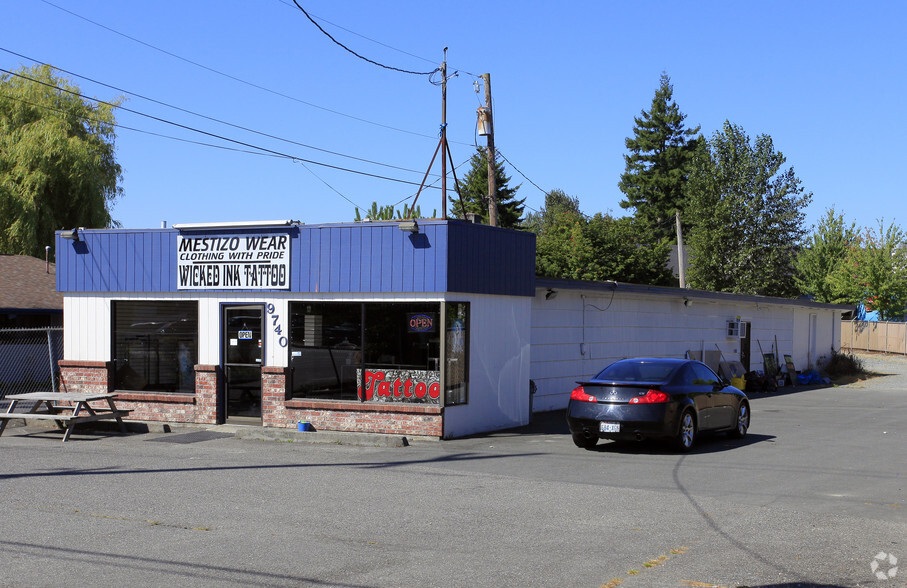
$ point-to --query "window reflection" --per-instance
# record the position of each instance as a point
(155, 345)
(377, 352)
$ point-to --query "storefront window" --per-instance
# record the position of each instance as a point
(456, 356)
(374, 352)
(325, 349)
(155, 345)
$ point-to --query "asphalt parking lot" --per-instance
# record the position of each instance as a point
(812, 497)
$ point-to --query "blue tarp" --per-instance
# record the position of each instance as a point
(810, 377)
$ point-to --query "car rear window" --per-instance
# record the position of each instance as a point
(636, 372)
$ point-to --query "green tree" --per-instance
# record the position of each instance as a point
(818, 261)
(474, 192)
(557, 203)
(559, 228)
(875, 273)
(658, 163)
(57, 165)
(747, 216)
(571, 246)
(625, 253)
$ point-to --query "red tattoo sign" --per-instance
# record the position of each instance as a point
(399, 386)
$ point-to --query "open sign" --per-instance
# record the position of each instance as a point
(421, 322)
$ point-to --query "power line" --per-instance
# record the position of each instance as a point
(504, 157)
(264, 150)
(361, 36)
(234, 78)
(432, 184)
(209, 117)
(322, 180)
(328, 35)
(152, 133)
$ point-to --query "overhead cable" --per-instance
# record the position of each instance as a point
(391, 47)
(214, 135)
(235, 126)
(328, 35)
(236, 79)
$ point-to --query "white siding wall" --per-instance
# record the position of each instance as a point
(577, 333)
(498, 366)
(87, 328)
(499, 345)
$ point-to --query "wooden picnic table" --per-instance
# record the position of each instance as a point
(77, 409)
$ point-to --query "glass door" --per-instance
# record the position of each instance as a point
(242, 331)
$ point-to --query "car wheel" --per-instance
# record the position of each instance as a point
(686, 434)
(743, 421)
(585, 442)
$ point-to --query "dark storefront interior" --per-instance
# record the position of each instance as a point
(333, 344)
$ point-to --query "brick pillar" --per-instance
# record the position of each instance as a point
(86, 377)
(274, 382)
(207, 378)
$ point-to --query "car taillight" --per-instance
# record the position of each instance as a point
(580, 394)
(651, 397)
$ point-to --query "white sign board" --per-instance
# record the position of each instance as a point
(233, 262)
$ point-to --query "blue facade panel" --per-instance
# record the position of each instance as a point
(117, 260)
(489, 260)
(344, 258)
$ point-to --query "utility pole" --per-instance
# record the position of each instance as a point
(680, 269)
(443, 137)
(445, 152)
(492, 187)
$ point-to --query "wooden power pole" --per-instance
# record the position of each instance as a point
(492, 187)
(443, 136)
(680, 269)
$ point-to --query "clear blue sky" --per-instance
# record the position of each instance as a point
(826, 80)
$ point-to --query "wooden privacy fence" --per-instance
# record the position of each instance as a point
(885, 337)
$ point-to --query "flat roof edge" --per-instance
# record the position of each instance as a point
(610, 286)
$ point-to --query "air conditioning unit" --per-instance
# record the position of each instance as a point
(733, 329)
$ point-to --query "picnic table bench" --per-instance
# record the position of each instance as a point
(77, 410)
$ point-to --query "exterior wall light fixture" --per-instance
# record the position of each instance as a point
(72, 235)
(409, 226)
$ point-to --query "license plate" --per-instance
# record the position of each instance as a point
(609, 427)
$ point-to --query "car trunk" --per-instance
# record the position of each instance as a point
(615, 393)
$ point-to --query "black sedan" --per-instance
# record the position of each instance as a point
(672, 399)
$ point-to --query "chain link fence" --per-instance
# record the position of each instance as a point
(28, 360)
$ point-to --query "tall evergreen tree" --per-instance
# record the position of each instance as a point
(658, 162)
(747, 216)
(474, 192)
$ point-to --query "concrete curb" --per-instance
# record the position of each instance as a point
(320, 437)
(246, 432)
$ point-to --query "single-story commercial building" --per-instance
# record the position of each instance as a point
(381, 327)
(437, 329)
(578, 328)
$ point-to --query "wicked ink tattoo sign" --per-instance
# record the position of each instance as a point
(233, 262)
